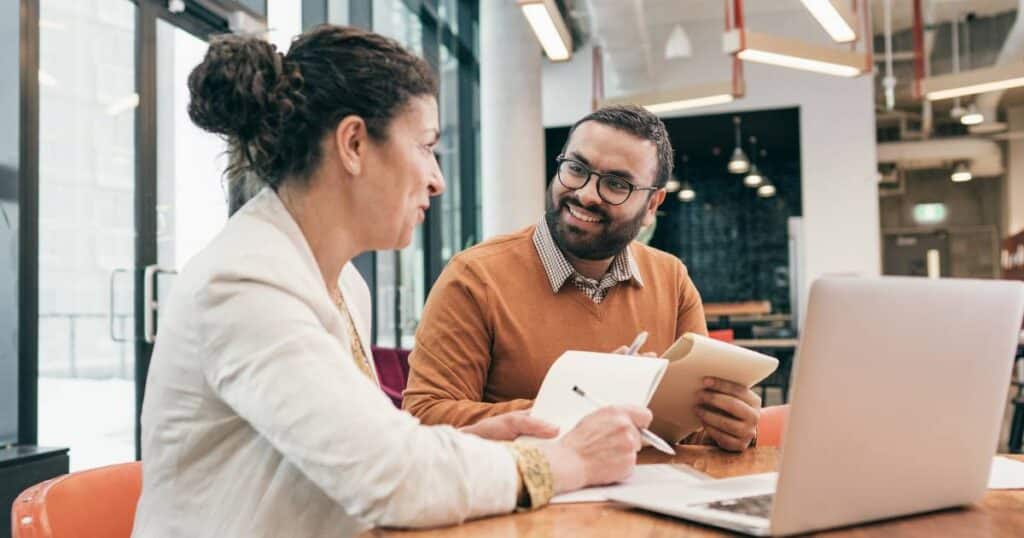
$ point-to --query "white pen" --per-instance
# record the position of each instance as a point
(656, 442)
(637, 342)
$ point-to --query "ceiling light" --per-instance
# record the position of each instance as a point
(687, 194)
(973, 82)
(679, 99)
(766, 190)
(678, 44)
(673, 185)
(769, 49)
(549, 27)
(738, 163)
(835, 17)
(754, 177)
(961, 173)
(972, 116)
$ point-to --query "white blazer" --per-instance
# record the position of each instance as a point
(258, 422)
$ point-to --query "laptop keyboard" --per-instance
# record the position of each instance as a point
(756, 506)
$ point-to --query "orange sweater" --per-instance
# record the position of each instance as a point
(491, 327)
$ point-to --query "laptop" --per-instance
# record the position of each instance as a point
(897, 405)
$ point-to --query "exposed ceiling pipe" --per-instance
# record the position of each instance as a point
(1013, 49)
(889, 82)
(927, 120)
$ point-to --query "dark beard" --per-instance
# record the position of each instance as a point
(610, 242)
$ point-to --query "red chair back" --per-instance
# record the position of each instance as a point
(725, 335)
(392, 371)
(96, 503)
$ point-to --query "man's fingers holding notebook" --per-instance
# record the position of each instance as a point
(734, 389)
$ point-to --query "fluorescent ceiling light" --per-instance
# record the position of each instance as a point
(973, 82)
(835, 17)
(549, 27)
(668, 101)
(769, 49)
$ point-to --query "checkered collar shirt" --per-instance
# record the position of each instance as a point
(559, 270)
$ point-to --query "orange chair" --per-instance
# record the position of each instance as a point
(96, 503)
(772, 425)
(725, 335)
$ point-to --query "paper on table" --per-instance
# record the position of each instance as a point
(659, 473)
(615, 379)
(1006, 474)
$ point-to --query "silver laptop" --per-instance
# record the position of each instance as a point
(898, 400)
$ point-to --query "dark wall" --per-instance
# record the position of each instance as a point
(734, 243)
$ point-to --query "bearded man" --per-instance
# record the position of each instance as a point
(502, 311)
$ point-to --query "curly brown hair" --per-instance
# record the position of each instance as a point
(274, 109)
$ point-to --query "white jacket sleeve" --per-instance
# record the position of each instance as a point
(270, 358)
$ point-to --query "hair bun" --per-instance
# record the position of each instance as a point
(235, 89)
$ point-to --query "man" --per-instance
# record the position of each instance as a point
(503, 311)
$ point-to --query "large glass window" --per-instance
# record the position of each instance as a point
(9, 255)
(86, 228)
(403, 277)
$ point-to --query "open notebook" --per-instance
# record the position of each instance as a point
(668, 386)
(614, 379)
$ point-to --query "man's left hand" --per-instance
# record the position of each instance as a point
(729, 413)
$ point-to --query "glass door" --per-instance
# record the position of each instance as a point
(87, 183)
(129, 192)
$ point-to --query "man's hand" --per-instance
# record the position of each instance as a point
(621, 350)
(729, 413)
(511, 425)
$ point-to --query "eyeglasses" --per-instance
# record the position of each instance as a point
(613, 189)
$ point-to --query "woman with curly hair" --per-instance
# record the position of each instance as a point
(262, 415)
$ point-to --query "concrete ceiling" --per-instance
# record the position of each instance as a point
(633, 33)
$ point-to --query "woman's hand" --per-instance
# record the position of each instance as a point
(511, 425)
(601, 449)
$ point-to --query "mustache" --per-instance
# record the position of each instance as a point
(570, 200)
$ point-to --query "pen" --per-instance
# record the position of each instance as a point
(637, 342)
(656, 442)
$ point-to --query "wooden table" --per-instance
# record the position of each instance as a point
(1000, 513)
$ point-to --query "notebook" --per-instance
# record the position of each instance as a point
(692, 358)
(611, 378)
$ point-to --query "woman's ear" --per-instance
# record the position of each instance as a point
(350, 141)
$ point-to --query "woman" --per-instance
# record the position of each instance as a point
(263, 416)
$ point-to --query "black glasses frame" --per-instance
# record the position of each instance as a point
(600, 180)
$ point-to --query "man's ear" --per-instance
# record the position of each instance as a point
(657, 198)
(350, 141)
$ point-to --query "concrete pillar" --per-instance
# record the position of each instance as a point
(1014, 194)
(511, 123)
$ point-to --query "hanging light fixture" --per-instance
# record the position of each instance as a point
(972, 116)
(753, 177)
(686, 193)
(738, 163)
(767, 189)
(673, 185)
(961, 172)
